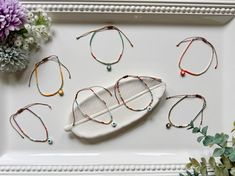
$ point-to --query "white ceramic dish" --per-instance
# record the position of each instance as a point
(122, 116)
(147, 148)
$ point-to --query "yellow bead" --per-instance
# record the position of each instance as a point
(61, 92)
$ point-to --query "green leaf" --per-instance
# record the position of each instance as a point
(208, 141)
(188, 165)
(199, 139)
(181, 174)
(203, 170)
(232, 156)
(195, 173)
(191, 124)
(218, 138)
(204, 130)
(218, 152)
(221, 139)
(226, 137)
(196, 130)
(194, 162)
(226, 162)
(188, 173)
(212, 162)
(225, 172)
(228, 151)
(203, 161)
(218, 171)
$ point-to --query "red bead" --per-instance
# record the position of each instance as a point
(182, 73)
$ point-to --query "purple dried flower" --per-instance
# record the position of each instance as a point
(12, 17)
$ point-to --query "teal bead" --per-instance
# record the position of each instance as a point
(50, 141)
(109, 68)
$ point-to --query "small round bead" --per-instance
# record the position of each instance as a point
(50, 141)
(182, 73)
(114, 124)
(168, 125)
(109, 68)
(61, 92)
(149, 108)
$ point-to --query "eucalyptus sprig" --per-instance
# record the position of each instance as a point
(224, 152)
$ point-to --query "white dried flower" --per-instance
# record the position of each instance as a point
(31, 40)
(44, 15)
(18, 43)
(36, 17)
(26, 46)
(30, 15)
(20, 38)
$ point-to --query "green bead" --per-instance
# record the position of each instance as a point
(109, 68)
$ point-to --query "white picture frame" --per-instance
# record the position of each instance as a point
(195, 11)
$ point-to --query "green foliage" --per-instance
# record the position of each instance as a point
(222, 163)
